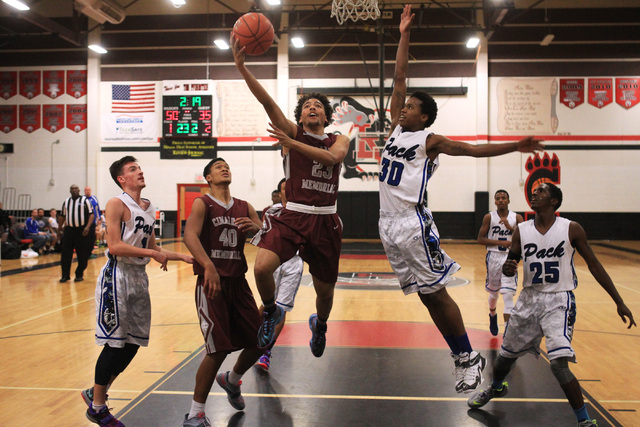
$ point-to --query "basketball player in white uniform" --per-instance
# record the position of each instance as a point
(495, 233)
(546, 306)
(287, 277)
(407, 230)
(123, 306)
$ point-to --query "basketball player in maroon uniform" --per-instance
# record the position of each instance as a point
(309, 223)
(215, 234)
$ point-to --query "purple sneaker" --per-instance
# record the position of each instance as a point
(318, 336)
(103, 417)
(264, 361)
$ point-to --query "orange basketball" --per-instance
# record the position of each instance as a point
(254, 32)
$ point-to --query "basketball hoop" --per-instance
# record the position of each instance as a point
(354, 10)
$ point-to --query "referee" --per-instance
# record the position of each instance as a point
(77, 217)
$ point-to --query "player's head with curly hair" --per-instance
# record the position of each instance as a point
(328, 109)
(428, 106)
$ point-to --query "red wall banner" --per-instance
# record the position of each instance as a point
(30, 83)
(77, 117)
(77, 83)
(8, 118)
(29, 118)
(8, 84)
(600, 92)
(572, 92)
(53, 117)
(53, 82)
(627, 91)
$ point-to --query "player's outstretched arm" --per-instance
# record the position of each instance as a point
(437, 144)
(335, 154)
(273, 110)
(402, 66)
(192, 231)
(578, 239)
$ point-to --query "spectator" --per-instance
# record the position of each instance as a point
(5, 221)
(32, 231)
(45, 227)
(53, 223)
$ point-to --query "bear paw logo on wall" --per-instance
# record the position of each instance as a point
(541, 169)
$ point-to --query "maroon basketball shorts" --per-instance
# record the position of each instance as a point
(231, 320)
(317, 237)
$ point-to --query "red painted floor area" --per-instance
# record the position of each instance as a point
(383, 334)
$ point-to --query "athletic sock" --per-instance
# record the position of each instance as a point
(463, 343)
(234, 378)
(97, 408)
(581, 414)
(196, 408)
(269, 306)
(451, 342)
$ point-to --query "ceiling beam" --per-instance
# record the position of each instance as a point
(61, 31)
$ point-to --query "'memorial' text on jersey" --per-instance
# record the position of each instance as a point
(309, 182)
(405, 170)
(548, 258)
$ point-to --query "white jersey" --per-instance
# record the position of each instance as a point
(548, 258)
(137, 230)
(405, 170)
(498, 231)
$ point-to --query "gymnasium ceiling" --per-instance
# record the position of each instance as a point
(53, 33)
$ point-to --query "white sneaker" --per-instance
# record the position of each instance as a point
(473, 364)
(458, 372)
(28, 253)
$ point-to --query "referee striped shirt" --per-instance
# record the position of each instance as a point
(77, 211)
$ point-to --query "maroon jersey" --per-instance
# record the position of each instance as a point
(221, 238)
(309, 182)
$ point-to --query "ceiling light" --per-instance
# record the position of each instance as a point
(546, 41)
(221, 44)
(97, 48)
(273, 2)
(17, 4)
(473, 42)
(178, 3)
(297, 42)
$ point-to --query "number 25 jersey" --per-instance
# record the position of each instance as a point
(405, 170)
(548, 258)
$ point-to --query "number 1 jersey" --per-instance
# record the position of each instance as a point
(405, 170)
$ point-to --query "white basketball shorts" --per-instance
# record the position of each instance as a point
(287, 278)
(496, 281)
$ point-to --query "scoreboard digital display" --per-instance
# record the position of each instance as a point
(186, 116)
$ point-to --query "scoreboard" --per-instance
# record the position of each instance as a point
(186, 116)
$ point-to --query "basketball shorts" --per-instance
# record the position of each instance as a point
(496, 281)
(317, 237)
(412, 243)
(123, 305)
(231, 320)
(287, 278)
(551, 315)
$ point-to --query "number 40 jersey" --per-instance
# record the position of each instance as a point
(405, 170)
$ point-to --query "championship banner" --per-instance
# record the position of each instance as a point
(29, 118)
(8, 118)
(53, 117)
(77, 117)
(8, 84)
(627, 91)
(571, 92)
(600, 92)
(30, 83)
(53, 82)
(140, 127)
(77, 83)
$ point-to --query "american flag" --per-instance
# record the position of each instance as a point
(138, 98)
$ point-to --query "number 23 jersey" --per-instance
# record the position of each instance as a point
(405, 170)
(548, 258)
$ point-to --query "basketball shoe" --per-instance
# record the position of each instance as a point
(473, 363)
(264, 361)
(199, 420)
(458, 372)
(103, 417)
(483, 397)
(588, 423)
(233, 391)
(318, 336)
(266, 333)
(87, 396)
(493, 324)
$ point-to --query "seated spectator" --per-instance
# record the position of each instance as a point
(101, 232)
(45, 227)
(32, 231)
(53, 223)
(5, 221)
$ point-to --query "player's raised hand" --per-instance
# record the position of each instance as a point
(283, 139)
(406, 19)
(530, 144)
(238, 52)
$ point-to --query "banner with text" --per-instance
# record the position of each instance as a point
(30, 117)
(8, 84)
(53, 117)
(188, 148)
(600, 92)
(571, 92)
(53, 82)
(8, 118)
(125, 127)
(30, 83)
(627, 91)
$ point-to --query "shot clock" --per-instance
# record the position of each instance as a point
(186, 116)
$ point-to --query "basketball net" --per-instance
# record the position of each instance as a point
(354, 10)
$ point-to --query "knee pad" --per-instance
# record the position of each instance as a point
(508, 302)
(493, 300)
(560, 370)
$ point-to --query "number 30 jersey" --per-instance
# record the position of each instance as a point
(548, 258)
(405, 170)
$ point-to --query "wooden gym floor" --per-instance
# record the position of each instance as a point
(385, 363)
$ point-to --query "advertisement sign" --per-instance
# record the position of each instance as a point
(29, 118)
(600, 92)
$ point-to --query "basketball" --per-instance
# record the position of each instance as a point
(254, 32)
